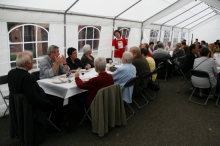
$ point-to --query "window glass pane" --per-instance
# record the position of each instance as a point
(90, 42)
(96, 34)
(42, 49)
(29, 33)
(95, 45)
(42, 35)
(35, 64)
(16, 35)
(80, 45)
(31, 47)
(16, 48)
(89, 33)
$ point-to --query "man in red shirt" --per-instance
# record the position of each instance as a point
(119, 44)
(94, 84)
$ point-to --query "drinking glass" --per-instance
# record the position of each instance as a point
(110, 62)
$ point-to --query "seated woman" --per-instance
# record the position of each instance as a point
(150, 61)
(87, 59)
(125, 73)
(146, 46)
(204, 63)
(72, 61)
(94, 84)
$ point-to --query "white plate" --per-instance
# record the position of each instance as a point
(59, 81)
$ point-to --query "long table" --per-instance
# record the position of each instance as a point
(65, 90)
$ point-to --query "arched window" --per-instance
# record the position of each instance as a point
(166, 37)
(153, 36)
(88, 35)
(124, 32)
(29, 37)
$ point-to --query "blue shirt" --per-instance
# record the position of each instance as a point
(46, 65)
(121, 76)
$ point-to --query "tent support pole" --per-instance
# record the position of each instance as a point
(65, 26)
(142, 32)
(160, 31)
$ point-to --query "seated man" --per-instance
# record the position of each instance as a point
(187, 65)
(53, 64)
(162, 55)
(141, 66)
(178, 52)
(20, 81)
(208, 65)
(72, 61)
(125, 73)
(94, 84)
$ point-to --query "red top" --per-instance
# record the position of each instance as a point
(119, 44)
(149, 54)
(94, 84)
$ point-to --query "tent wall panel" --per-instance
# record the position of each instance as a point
(4, 55)
(71, 36)
(134, 37)
(146, 36)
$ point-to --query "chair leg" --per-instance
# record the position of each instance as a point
(141, 106)
(51, 123)
(183, 85)
(5, 111)
(151, 98)
(204, 104)
(86, 114)
(133, 113)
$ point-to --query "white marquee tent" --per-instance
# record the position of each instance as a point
(33, 25)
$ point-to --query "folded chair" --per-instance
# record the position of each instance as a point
(142, 82)
(107, 110)
(128, 84)
(3, 81)
(163, 72)
(204, 75)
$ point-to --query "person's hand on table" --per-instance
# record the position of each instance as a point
(76, 74)
(72, 71)
(88, 66)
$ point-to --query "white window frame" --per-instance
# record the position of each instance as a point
(22, 42)
(85, 27)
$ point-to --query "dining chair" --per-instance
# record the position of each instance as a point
(163, 72)
(128, 84)
(3, 82)
(204, 75)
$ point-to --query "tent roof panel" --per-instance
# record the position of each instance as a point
(145, 9)
(56, 5)
(188, 14)
(108, 8)
(177, 12)
(195, 17)
(200, 20)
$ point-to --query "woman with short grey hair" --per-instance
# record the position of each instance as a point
(87, 59)
(125, 73)
(94, 84)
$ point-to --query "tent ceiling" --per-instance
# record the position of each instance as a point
(188, 16)
(134, 10)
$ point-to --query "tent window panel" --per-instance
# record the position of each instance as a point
(183, 35)
(88, 35)
(175, 38)
(42, 49)
(31, 37)
(125, 31)
(166, 37)
(153, 36)
(29, 33)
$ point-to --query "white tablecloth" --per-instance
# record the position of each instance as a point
(65, 90)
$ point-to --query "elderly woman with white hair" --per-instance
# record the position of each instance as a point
(94, 84)
(87, 59)
(125, 73)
